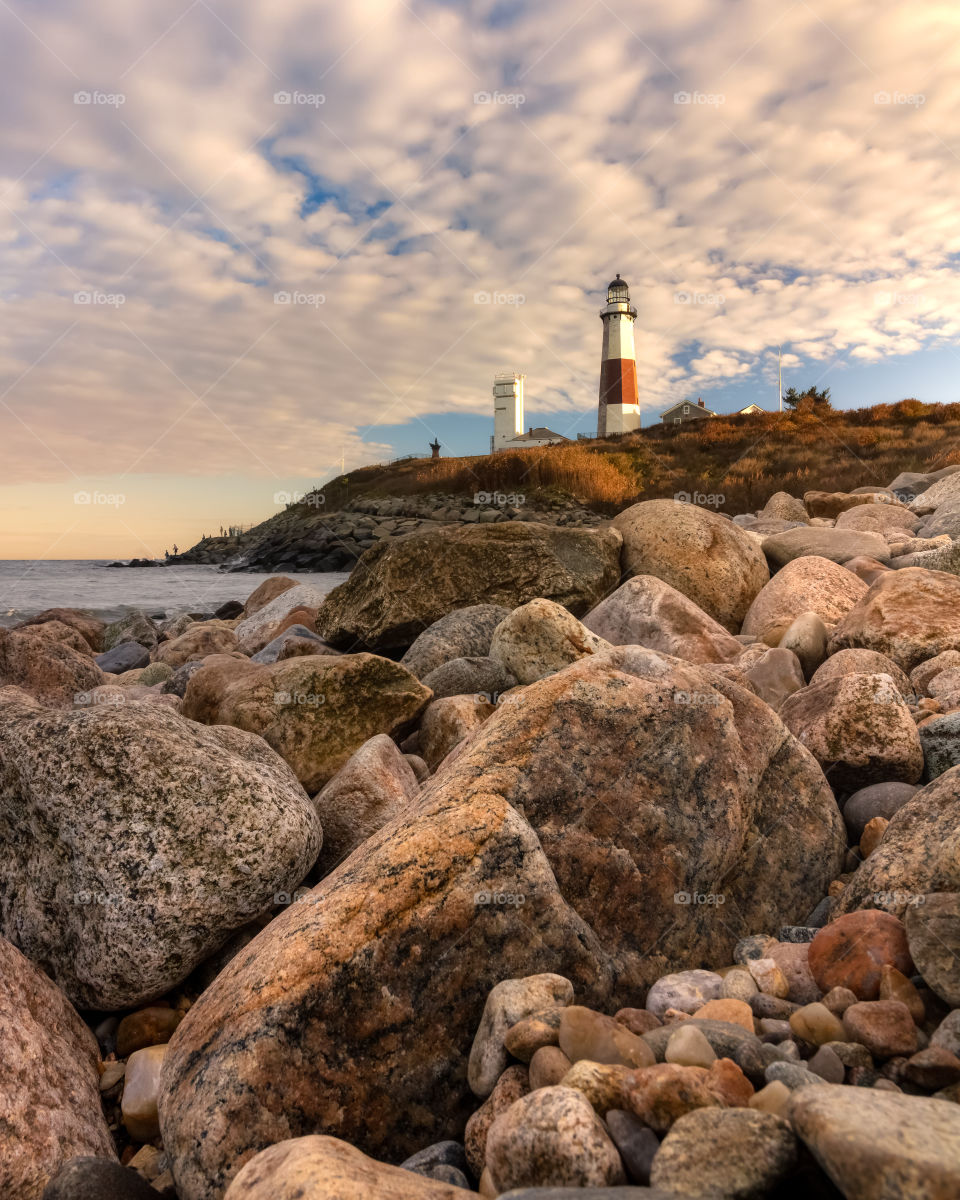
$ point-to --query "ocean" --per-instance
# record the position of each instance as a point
(28, 587)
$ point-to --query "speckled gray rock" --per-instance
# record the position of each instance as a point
(448, 1154)
(793, 1075)
(940, 739)
(541, 638)
(405, 584)
(185, 837)
(552, 1136)
(125, 656)
(837, 545)
(134, 627)
(275, 649)
(685, 991)
(508, 1003)
(375, 785)
(49, 1094)
(52, 671)
(876, 800)
(739, 1154)
(258, 630)
(933, 934)
(469, 676)
(176, 685)
(646, 611)
(725, 1037)
(918, 853)
(465, 633)
(86, 1178)
(636, 1142)
(878, 1145)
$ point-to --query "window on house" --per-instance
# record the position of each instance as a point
(686, 409)
(678, 420)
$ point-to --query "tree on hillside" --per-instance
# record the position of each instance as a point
(810, 400)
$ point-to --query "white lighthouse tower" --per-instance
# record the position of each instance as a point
(619, 408)
(507, 408)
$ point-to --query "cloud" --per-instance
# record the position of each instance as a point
(388, 163)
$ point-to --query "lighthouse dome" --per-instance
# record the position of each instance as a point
(617, 291)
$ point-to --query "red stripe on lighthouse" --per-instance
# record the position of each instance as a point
(618, 385)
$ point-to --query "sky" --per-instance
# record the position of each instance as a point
(241, 245)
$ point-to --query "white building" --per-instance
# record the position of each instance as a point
(508, 431)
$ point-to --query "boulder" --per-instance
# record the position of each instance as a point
(858, 728)
(49, 1088)
(539, 639)
(645, 611)
(832, 504)
(88, 626)
(255, 631)
(269, 590)
(57, 631)
(326, 1168)
(774, 674)
(923, 676)
(119, 879)
(876, 800)
(200, 640)
(885, 519)
(739, 1151)
(838, 545)
(876, 1144)
(85, 1178)
(810, 583)
(933, 934)
(51, 671)
(807, 638)
(909, 615)
(866, 568)
(136, 626)
(295, 641)
(912, 483)
(315, 711)
(470, 676)
(853, 950)
(710, 560)
(940, 739)
(464, 633)
(373, 786)
(705, 760)
(447, 722)
(416, 928)
(401, 586)
(919, 854)
(862, 662)
(125, 656)
(787, 508)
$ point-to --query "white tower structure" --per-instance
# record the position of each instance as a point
(619, 409)
(507, 408)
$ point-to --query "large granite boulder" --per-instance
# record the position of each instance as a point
(806, 584)
(463, 633)
(839, 545)
(648, 780)
(256, 630)
(787, 508)
(909, 615)
(832, 504)
(269, 590)
(200, 640)
(49, 1085)
(403, 585)
(52, 671)
(58, 631)
(919, 853)
(132, 843)
(885, 519)
(135, 626)
(315, 711)
(862, 662)
(353, 1012)
(707, 558)
(859, 729)
(645, 611)
(88, 626)
(539, 638)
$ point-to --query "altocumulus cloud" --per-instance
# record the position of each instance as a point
(234, 235)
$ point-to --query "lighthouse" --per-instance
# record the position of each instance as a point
(619, 409)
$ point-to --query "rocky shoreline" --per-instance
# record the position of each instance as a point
(540, 859)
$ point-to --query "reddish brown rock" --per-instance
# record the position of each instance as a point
(659, 1095)
(50, 671)
(201, 639)
(832, 504)
(638, 1020)
(511, 1085)
(152, 1026)
(446, 722)
(737, 1012)
(57, 631)
(885, 1027)
(89, 627)
(851, 952)
(269, 590)
(49, 1089)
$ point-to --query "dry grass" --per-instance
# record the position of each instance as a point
(744, 459)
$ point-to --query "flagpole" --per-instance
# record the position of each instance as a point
(780, 375)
